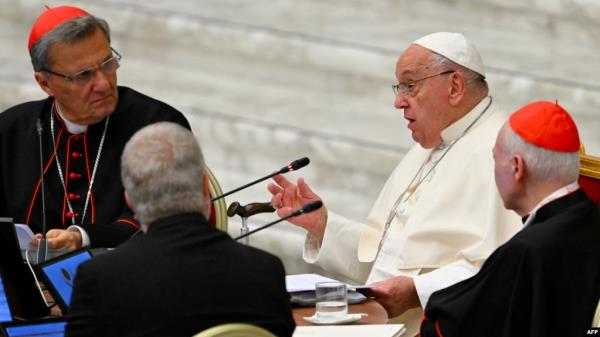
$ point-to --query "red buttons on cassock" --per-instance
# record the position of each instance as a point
(76, 155)
(73, 196)
(74, 175)
(70, 214)
(77, 137)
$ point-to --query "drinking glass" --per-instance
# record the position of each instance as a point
(332, 300)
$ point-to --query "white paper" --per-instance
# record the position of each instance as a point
(24, 234)
(354, 330)
(306, 282)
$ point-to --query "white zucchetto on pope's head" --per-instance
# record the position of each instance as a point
(455, 47)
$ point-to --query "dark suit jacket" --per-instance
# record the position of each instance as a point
(181, 277)
(545, 281)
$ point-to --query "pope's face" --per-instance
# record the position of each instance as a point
(81, 103)
(425, 107)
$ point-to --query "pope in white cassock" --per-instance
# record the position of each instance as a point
(439, 215)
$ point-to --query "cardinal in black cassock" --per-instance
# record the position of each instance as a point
(545, 281)
(84, 125)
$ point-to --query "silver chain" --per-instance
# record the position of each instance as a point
(404, 197)
(60, 174)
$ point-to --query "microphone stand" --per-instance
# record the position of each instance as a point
(42, 248)
(306, 209)
(246, 211)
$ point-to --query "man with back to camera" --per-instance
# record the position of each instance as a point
(545, 281)
(439, 215)
(182, 276)
(85, 123)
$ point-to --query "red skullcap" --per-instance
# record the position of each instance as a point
(546, 125)
(51, 18)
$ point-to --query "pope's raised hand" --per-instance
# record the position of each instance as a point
(288, 197)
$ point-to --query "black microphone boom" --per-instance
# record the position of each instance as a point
(42, 248)
(313, 206)
(295, 165)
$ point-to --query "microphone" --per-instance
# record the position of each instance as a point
(312, 206)
(295, 165)
(42, 248)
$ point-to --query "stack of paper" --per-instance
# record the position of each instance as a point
(306, 282)
(24, 234)
(372, 330)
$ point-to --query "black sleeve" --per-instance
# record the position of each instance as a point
(112, 234)
(494, 302)
(115, 222)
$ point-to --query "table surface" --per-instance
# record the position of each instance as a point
(376, 313)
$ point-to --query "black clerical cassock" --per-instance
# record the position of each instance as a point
(545, 281)
(106, 218)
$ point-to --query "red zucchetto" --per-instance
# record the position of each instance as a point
(51, 18)
(546, 125)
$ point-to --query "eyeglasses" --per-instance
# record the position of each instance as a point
(82, 77)
(408, 88)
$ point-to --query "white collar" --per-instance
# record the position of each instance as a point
(456, 129)
(561, 192)
(71, 127)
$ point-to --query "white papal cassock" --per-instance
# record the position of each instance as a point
(443, 231)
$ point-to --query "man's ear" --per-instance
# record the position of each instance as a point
(518, 167)
(128, 200)
(458, 87)
(42, 81)
(207, 196)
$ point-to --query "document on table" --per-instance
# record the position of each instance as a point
(354, 330)
(24, 234)
(306, 282)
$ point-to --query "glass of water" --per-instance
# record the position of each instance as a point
(332, 300)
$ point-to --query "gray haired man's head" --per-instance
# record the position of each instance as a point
(162, 169)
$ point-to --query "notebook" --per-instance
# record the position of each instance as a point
(50, 327)
(58, 275)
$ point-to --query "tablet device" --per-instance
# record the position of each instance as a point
(21, 291)
(58, 275)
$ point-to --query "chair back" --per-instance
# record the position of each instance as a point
(589, 175)
(235, 330)
(596, 320)
(218, 210)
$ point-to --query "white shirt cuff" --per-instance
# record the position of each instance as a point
(312, 245)
(426, 284)
(85, 238)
